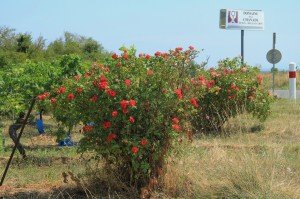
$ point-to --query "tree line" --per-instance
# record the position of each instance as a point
(18, 47)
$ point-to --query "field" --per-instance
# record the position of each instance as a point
(250, 160)
(281, 80)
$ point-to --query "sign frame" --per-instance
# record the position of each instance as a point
(241, 19)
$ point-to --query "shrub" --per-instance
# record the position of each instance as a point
(225, 91)
(129, 110)
(133, 109)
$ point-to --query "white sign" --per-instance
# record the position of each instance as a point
(241, 19)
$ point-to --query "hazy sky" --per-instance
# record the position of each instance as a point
(153, 25)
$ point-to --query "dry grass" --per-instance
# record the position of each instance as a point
(256, 161)
(281, 80)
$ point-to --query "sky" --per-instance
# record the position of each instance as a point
(152, 25)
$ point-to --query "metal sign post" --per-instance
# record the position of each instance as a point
(242, 46)
(274, 56)
(273, 69)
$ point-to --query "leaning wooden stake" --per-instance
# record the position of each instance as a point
(18, 140)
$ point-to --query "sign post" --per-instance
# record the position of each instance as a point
(274, 56)
(242, 46)
(273, 68)
(241, 20)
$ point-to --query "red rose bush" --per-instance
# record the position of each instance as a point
(226, 91)
(129, 112)
(132, 109)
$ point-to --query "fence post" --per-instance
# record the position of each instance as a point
(292, 80)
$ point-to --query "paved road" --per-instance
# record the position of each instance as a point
(285, 93)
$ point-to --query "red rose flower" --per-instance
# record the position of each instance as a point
(191, 47)
(135, 150)
(111, 137)
(131, 119)
(132, 102)
(79, 90)
(210, 84)
(53, 100)
(259, 79)
(202, 80)
(175, 120)
(106, 124)
(114, 56)
(125, 56)
(178, 49)
(149, 72)
(157, 54)
(111, 93)
(41, 97)
(87, 128)
(144, 142)
(124, 104)
(147, 56)
(61, 90)
(94, 98)
(103, 83)
(179, 93)
(103, 79)
(176, 127)
(232, 86)
(127, 82)
(71, 96)
(114, 113)
(194, 102)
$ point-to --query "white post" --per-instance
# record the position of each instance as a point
(292, 80)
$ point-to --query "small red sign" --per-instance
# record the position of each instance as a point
(292, 74)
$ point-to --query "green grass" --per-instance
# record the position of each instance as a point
(257, 160)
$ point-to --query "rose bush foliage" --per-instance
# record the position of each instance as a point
(132, 109)
(128, 108)
(225, 91)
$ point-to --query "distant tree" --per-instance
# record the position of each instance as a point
(56, 48)
(37, 49)
(39, 44)
(24, 42)
(91, 46)
(16, 48)
(72, 43)
(8, 41)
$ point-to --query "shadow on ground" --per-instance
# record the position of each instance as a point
(55, 193)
